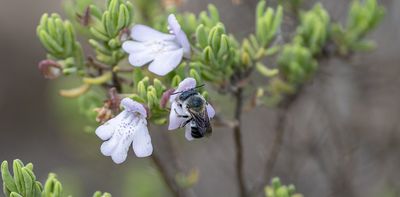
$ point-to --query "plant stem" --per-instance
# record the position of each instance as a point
(116, 82)
(167, 177)
(238, 142)
(277, 142)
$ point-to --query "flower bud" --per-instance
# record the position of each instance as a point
(50, 69)
(165, 98)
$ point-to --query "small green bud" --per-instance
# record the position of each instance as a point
(208, 55)
(159, 87)
(141, 89)
(262, 69)
(175, 81)
(201, 36)
(246, 60)
(282, 192)
(224, 46)
(214, 15)
(193, 73)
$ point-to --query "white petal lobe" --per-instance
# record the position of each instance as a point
(144, 33)
(142, 142)
(166, 62)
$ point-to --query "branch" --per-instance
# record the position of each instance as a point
(167, 177)
(238, 142)
(277, 143)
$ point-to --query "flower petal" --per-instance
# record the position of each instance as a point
(173, 24)
(108, 147)
(133, 46)
(133, 106)
(180, 35)
(188, 133)
(142, 58)
(145, 33)
(141, 140)
(184, 85)
(175, 121)
(184, 42)
(121, 150)
(210, 111)
(166, 62)
(106, 130)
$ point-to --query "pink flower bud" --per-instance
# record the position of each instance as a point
(165, 98)
(50, 69)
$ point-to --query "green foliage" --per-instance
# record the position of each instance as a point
(276, 189)
(151, 95)
(362, 18)
(100, 194)
(59, 39)
(23, 183)
(268, 22)
(52, 187)
(217, 59)
(106, 30)
(314, 28)
(296, 63)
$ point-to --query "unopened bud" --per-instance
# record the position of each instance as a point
(50, 69)
(165, 97)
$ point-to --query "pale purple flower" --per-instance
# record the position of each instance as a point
(163, 51)
(176, 122)
(128, 127)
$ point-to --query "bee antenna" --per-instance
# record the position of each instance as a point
(202, 85)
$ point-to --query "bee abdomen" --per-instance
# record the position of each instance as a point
(196, 132)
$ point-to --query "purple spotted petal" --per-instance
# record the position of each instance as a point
(144, 33)
(133, 106)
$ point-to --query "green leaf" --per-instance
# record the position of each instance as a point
(7, 178)
(18, 178)
(201, 36)
(28, 181)
(266, 71)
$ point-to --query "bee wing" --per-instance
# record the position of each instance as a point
(202, 121)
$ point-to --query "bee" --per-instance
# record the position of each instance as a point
(195, 107)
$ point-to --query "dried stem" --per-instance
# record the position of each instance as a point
(238, 142)
(277, 142)
(166, 176)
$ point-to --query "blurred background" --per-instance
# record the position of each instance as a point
(342, 138)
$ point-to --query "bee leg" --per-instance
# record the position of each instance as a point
(186, 122)
(181, 116)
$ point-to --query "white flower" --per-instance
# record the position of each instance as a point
(128, 127)
(164, 51)
(175, 121)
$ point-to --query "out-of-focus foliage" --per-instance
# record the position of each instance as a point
(23, 183)
(276, 189)
(363, 17)
(59, 39)
(106, 28)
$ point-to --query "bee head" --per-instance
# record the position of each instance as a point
(195, 103)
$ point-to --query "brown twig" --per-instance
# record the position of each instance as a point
(273, 154)
(166, 176)
(238, 142)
